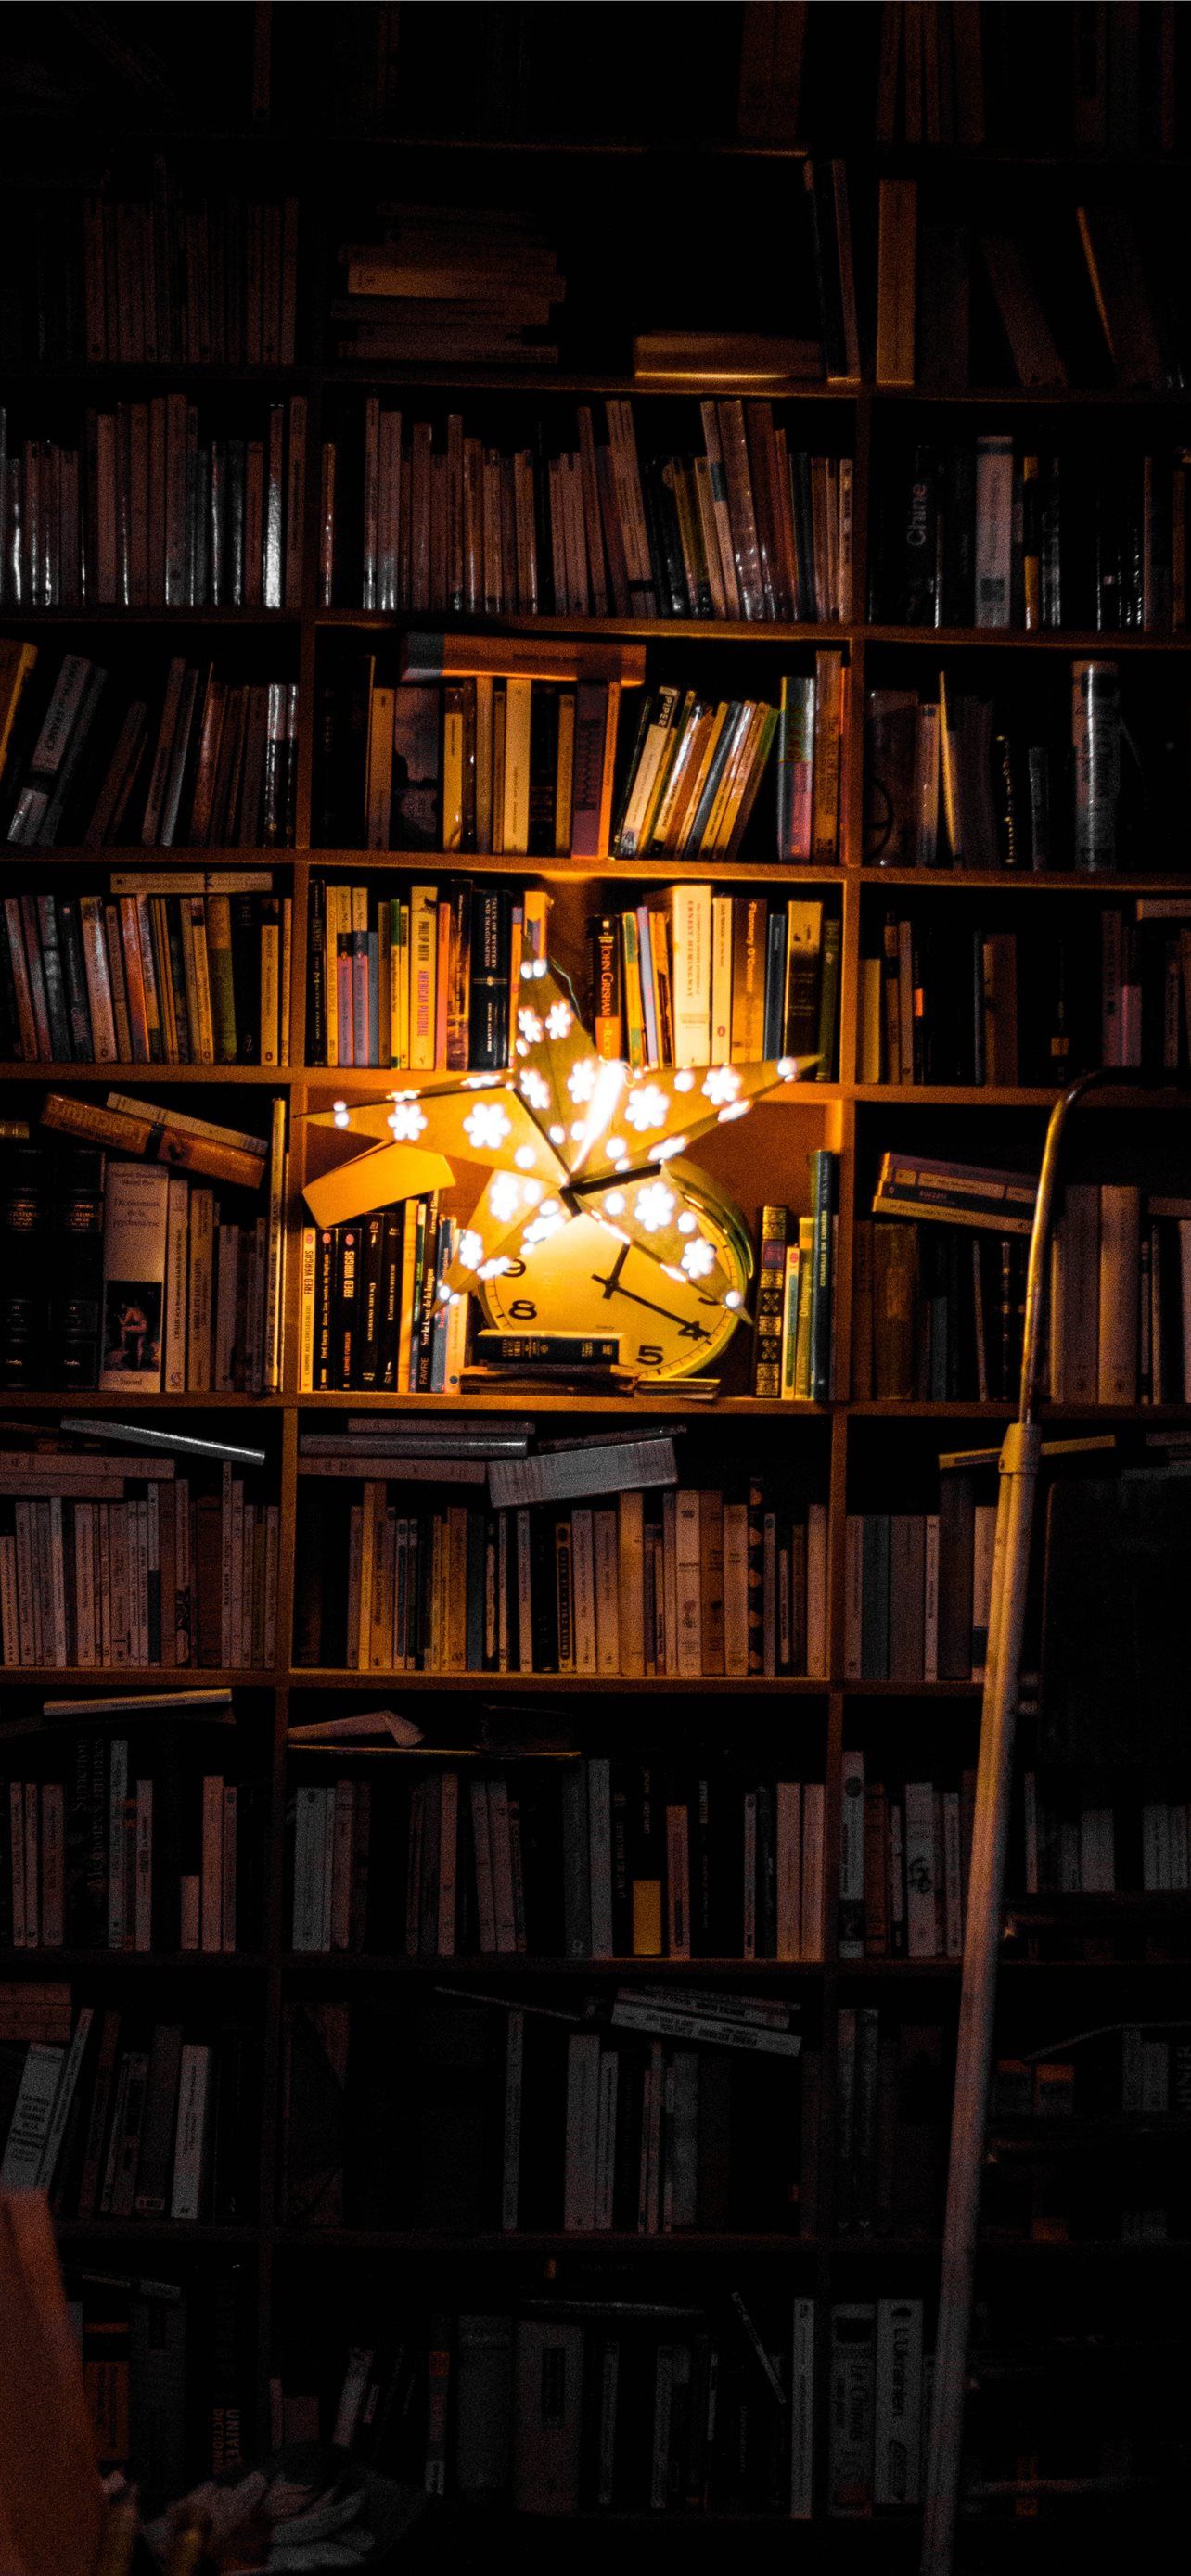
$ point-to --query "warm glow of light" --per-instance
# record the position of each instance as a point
(525, 1158)
(653, 1207)
(646, 1107)
(406, 1121)
(686, 1222)
(340, 1114)
(487, 1128)
(614, 1203)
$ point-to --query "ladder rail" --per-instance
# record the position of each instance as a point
(1016, 1496)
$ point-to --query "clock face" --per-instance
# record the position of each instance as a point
(586, 1279)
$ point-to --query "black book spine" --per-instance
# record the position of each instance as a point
(369, 1299)
(76, 1278)
(248, 913)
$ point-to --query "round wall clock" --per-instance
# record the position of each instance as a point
(582, 1280)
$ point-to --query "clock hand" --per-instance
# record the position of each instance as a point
(612, 1288)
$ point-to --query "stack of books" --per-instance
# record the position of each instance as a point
(449, 284)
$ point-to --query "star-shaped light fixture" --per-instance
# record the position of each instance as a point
(563, 1132)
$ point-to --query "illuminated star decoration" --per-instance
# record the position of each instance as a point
(563, 1131)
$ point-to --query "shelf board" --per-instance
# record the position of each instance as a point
(260, 1076)
(1116, 884)
(583, 1685)
(662, 1399)
(987, 1095)
(556, 2241)
(1041, 639)
(100, 1399)
(79, 1963)
(527, 1963)
(155, 2231)
(38, 618)
(685, 630)
(742, 871)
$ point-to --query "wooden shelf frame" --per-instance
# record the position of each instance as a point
(272, 1975)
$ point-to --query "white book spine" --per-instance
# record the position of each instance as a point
(736, 1603)
(897, 2449)
(921, 1891)
(688, 1589)
(135, 1223)
(177, 1272)
(583, 1588)
(32, 2116)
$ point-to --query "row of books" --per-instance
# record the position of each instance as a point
(601, 2404)
(695, 768)
(995, 534)
(101, 1859)
(370, 1314)
(175, 275)
(1121, 1296)
(1080, 299)
(427, 981)
(917, 1588)
(502, 763)
(193, 759)
(172, 969)
(123, 1273)
(1101, 80)
(694, 977)
(937, 1314)
(155, 506)
(681, 1583)
(117, 2116)
(1074, 1850)
(796, 1261)
(110, 1561)
(736, 524)
(456, 284)
(955, 780)
(585, 1859)
(951, 1002)
(498, 2127)
(904, 1860)
(688, 978)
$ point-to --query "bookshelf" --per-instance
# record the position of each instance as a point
(282, 2273)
